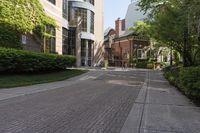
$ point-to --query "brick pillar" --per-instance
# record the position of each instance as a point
(119, 26)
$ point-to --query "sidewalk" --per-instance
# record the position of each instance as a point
(161, 108)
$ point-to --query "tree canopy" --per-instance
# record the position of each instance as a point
(175, 23)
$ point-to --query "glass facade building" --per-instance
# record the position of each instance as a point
(83, 10)
(75, 33)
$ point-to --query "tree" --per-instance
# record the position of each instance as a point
(174, 23)
(141, 28)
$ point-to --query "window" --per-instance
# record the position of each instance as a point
(52, 1)
(69, 43)
(65, 40)
(91, 22)
(75, 13)
(139, 53)
(50, 42)
(80, 12)
(65, 9)
(24, 39)
(90, 1)
(126, 53)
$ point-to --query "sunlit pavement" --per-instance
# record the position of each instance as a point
(114, 100)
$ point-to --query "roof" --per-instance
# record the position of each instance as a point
(131, 34)
(107, 31)
(134, 14)
(127, 33)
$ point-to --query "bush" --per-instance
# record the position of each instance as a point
(145, 63)
(186, 79)
(190, 81)
(12, 60)
(142, 64)
(172, 73)
(150, 66)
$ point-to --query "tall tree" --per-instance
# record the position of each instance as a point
(175, 22)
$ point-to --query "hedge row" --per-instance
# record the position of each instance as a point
(12, 60)
(190, 81)
(186, 79)
(145, 63)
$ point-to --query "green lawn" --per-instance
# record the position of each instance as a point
(16, 80)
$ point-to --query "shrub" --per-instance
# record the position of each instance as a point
(145, 63)
(190, 81)
(142, 64)
(151, 60)
(186, 79)
(150, 66)
(12, 60)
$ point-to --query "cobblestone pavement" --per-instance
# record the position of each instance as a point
(99, 102)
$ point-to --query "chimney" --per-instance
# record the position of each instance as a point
(119, 26)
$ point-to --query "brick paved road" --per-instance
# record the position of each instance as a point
(98, 103)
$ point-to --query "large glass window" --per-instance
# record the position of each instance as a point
(75, 13)
(86, 52)
(65, 40)
(91, 22)
(70, 45)
(50, 41)
(52, 1)
(65, 9)
(80, 12)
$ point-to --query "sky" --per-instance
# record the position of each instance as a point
(113, 10)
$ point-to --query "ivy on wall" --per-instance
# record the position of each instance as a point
(9, 37)
(21, 17)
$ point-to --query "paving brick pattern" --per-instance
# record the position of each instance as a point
(89, 106)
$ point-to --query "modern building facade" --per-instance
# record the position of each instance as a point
(58, 10)
(76, 33)
(81, 15)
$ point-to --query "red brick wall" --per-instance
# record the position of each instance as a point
(123, 49)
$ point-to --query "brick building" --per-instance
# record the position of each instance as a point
(122, 45)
